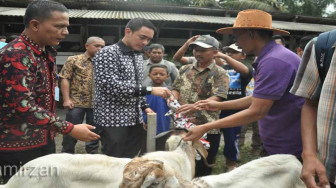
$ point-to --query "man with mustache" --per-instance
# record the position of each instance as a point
(277, 110)
(28, 89)
(201, 80)
(77, 91)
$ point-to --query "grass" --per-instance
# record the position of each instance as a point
(246, 155)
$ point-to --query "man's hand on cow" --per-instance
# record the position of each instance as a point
(312, 168)
(195, 133)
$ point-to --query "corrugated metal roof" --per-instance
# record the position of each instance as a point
(173, 17)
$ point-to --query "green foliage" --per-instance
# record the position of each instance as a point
(205, 3)
(332, 15)
(300, 7)
(308, 7)
(196, 3)
(266, 5)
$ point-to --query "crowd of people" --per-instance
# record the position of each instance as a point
(114, 88)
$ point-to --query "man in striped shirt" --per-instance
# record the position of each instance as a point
(318, 119)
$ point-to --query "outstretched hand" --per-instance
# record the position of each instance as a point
(82, 132)
(195, 133)
(209, 105)
(186, 108)
(161, 92)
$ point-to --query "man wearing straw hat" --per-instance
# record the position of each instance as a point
(277, 110)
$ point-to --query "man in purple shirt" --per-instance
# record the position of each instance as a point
(277, 110)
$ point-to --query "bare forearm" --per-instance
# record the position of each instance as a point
(219, 61)
(65, 87)
(176, 94)
(258, 109)
(241, 118)
(237, 104)
(180, 53)
(236, 65)
(308, 127)
(215, 98)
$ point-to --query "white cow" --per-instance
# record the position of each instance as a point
(70, 171)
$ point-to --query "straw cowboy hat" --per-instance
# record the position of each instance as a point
(253, 19)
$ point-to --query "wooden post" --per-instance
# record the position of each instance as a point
(151, 131)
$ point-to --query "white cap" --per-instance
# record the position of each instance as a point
(233, 47)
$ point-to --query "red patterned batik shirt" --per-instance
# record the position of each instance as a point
(27, 105)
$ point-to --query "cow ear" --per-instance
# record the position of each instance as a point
(154, 178)
(166, 133)
(200, 148)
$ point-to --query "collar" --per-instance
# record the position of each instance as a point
(36, 48)
(163, 85)
(265, 50)
(87, 57)
(124, 48)
(151, 63)
(210, 67)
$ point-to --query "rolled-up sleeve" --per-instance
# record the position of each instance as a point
(307, 82)
(221, 84)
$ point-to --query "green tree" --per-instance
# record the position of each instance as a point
(301, 7)
(196, 3)
(205, 3)
(266, 5)
(308, 7)
(332, 15)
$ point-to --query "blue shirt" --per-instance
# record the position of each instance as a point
(2, 44)
(160, 107)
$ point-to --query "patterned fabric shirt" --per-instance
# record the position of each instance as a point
(194, 85)
(308, 84)
(119, 96)
(27, 105)
(79, 71)
(171, 68)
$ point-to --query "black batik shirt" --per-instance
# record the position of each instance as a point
(118, 98)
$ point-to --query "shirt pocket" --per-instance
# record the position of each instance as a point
(83, 71)
(205, 90)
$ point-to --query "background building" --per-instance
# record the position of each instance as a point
(175, 24)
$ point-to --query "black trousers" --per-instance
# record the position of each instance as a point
(332, 185)
(201, 168)
(76, 116)
(10, 162)
(122, 141)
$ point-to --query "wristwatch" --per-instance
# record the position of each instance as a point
(149, 90)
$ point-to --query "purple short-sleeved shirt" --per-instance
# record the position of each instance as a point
(275, 71)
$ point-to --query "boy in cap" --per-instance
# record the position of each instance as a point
(202, 80)
(277, 110)
(240, 75)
